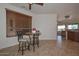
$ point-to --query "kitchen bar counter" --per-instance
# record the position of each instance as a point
(73, 35)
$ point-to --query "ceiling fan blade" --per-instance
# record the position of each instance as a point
(39, 4)
(30, 5)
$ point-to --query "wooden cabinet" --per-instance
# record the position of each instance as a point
(15, 20)
(73, 35)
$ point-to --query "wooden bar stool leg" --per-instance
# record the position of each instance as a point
(38, 42)
(30, 39)
(19, 47)
(33, 44)
(29, 46)
(25, 45)
(22, 49)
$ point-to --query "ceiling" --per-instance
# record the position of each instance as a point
(48, 7)
(68, 21)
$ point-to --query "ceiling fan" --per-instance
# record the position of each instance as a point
(30, 4)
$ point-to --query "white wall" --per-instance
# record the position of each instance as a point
(47, 24)
(5, 41)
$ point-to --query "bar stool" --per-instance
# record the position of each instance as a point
(22, 42)
(35, 39)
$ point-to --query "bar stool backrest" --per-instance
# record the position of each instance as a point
(20, 35)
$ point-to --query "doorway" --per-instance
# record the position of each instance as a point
(61, 33)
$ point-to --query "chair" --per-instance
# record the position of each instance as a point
(37, 34)
(27, 32)
(35, 39)
(22, 42)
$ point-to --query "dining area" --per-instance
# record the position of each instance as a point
(27, 39)
(20, 25)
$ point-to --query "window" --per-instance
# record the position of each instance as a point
(61, 27)
(73, 26)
